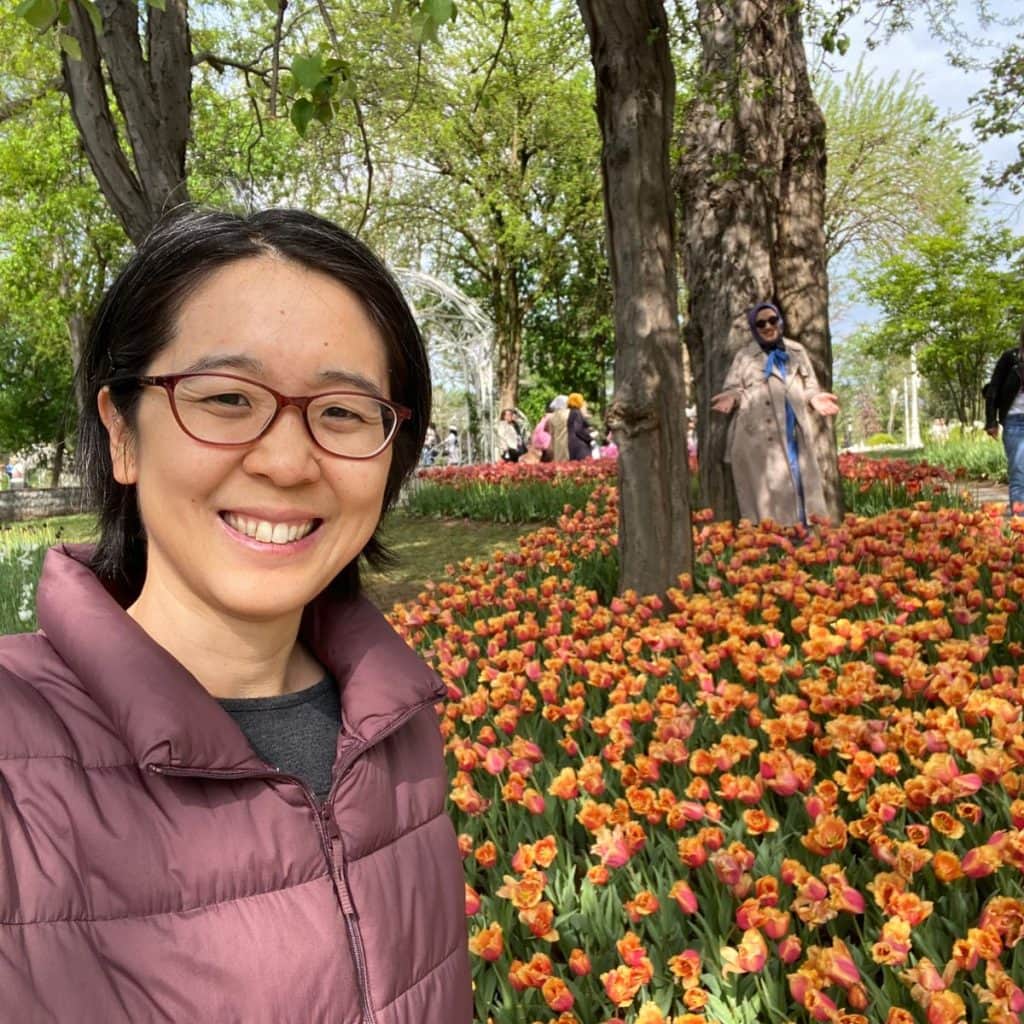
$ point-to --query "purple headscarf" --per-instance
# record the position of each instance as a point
(752, 316)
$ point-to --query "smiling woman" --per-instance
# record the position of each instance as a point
(264, 748)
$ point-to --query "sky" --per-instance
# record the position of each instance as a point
(949, 88)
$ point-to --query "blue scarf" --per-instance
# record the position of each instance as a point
(778, 359)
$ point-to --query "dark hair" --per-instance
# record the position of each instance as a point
(137, 318)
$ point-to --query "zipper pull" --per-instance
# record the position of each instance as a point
(337, 864)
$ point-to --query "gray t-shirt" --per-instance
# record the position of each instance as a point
(295, 732)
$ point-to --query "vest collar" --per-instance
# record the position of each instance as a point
(165, 716)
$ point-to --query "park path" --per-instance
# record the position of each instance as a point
(984, 492)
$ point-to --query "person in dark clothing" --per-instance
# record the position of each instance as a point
(580, 436)
(1004, 406)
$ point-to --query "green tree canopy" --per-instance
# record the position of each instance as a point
(895, 167)
(58, 240)
(958, 297)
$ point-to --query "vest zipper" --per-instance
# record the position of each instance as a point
(328, 830)
(321, 815)
(332, 839)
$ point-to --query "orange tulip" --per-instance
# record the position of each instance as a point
(557, 995)
(748, 958)
(488, 943)
(579, 963)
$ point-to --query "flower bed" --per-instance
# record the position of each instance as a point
(515, 492)
(507, 492)
(790, 793)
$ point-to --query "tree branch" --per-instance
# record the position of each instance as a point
(275, 59)
(506, 18)
(84, 83)
(219, 64)
(360, 121)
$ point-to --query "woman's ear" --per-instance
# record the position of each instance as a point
(122, 449)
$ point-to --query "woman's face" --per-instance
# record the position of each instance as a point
(301, 333)
(766, 321)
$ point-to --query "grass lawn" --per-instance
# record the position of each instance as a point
(66, 529)
(423, 547)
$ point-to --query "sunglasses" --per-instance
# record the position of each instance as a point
(771, 321)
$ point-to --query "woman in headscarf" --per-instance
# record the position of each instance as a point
(771, 390)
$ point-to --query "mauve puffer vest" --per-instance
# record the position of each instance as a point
(153, 868)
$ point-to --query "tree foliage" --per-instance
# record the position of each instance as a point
(895, 167)
(496, 165)
(58, 240)
(958, 297)
(1001, 111)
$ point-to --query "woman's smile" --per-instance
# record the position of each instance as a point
(274, 530)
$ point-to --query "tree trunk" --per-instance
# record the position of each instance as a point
(151, 85)
(58, 461)
(508, 329)
(635, 98)
(751, 188)
(78, 329)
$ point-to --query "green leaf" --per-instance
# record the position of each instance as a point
(64, 13)
(424, 28)
(323, 112)
(93, 11)
(160, 5)
(274, 6)
(40, 14)
(440, 10)
(302, 114)
(307, 71)
(346, 90)
(70, 45)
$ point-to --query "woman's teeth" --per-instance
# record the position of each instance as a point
(267, 532)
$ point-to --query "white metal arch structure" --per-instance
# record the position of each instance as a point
(460, 346)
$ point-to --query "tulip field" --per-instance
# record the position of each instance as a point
(790, 790)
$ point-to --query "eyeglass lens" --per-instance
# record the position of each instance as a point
(224, 410)
(770, 321)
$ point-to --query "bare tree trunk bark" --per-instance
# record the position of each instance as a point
(78, 329)
(151, 85)
(508, 336)
(635, 98)
(58, 461)
(750, 183)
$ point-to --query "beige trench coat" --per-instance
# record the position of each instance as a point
(756, 441)
(558, 424)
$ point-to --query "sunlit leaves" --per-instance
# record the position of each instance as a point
(40, 14)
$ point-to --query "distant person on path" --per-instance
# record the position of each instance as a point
(430, 445)
(222, 782)
(558, 424)
(451, 447)
(578, 428)
(770, 391)
(1004, 406)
